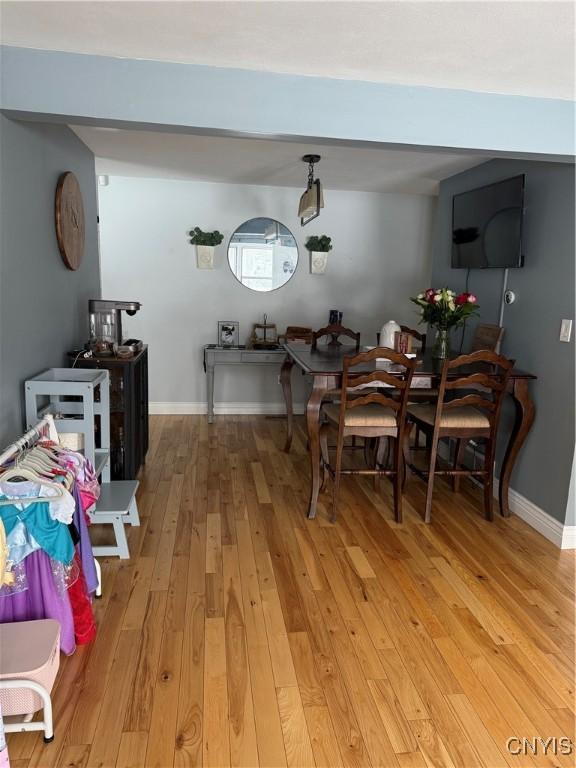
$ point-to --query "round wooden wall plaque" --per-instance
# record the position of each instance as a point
(69, 220)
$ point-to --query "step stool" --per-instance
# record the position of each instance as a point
(29, 663)
(116, 506)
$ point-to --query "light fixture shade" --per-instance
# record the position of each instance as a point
(311, 202)
(307, 204)
(272, 233)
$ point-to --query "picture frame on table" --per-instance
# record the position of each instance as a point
(228, 333)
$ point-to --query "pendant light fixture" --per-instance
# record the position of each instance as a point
(312, 199)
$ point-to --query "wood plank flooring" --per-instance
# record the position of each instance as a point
(240, 633)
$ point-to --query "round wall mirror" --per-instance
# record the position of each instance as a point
(263, 254)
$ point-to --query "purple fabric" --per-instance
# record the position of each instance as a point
(41, 600)
(85, 546)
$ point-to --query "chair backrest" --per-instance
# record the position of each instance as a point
(298, 333)
(482, 386)
(394, 380)
(487, 336)
(335, 331)
(421, 337)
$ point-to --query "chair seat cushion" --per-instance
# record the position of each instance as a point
(371, 415)
(465, 417)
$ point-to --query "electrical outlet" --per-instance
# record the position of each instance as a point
(565, 330)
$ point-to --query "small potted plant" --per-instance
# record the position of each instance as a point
(319, 247)
(443, 309)
(205, 243)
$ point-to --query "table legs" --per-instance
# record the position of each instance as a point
(319, 389)
(524, 419)
(286, 381)
(210, 392)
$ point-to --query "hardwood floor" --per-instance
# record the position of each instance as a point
(240, 633)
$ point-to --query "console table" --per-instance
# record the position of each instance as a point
(214, 355)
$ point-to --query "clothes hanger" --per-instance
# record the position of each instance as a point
(48, 449)
(47, 456)
(29, 456)
(49, 467)
(53, 447)
(55, 466)
(36, 462)
(18, 472)
(55, 455)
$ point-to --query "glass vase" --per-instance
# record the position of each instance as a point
(441, 348)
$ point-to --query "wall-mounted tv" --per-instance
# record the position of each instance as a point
(487, 226)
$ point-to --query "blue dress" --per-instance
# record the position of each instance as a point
(52, 535)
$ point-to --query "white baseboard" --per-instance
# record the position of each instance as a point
(222, 409)
(563, 536)
(569, 537)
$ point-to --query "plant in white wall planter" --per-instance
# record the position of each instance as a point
(205, 243)
(319, 247)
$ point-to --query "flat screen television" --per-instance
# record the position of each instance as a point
(487, 226)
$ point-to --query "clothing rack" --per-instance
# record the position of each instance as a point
(43, 428)
(29, 679)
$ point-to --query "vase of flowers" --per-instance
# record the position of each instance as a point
(443, 309)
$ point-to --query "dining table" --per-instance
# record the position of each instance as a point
(324, 366)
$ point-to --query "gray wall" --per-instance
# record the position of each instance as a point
(545, 295)
(43, 305)
(380, 258)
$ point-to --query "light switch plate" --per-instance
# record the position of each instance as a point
(565, 330)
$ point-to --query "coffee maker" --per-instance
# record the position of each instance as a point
(106, 326)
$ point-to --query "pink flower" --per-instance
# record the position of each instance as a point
(429, 293)
(471, 298)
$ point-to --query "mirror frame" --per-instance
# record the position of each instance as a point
(272, 290)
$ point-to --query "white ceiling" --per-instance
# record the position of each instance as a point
(122, 152)
(503, 47)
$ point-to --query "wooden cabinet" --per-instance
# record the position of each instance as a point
(128, 411)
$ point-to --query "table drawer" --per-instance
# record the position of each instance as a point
(263, 357)
(225, 356)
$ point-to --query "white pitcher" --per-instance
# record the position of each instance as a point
(387, 333)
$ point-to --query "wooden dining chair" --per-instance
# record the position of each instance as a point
(378, 413)
(487, 336)
(297, 333)
(468, 406)
(335, 331)
(420, 337)
(420, 394)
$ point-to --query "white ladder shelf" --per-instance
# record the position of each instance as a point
(117, 503)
